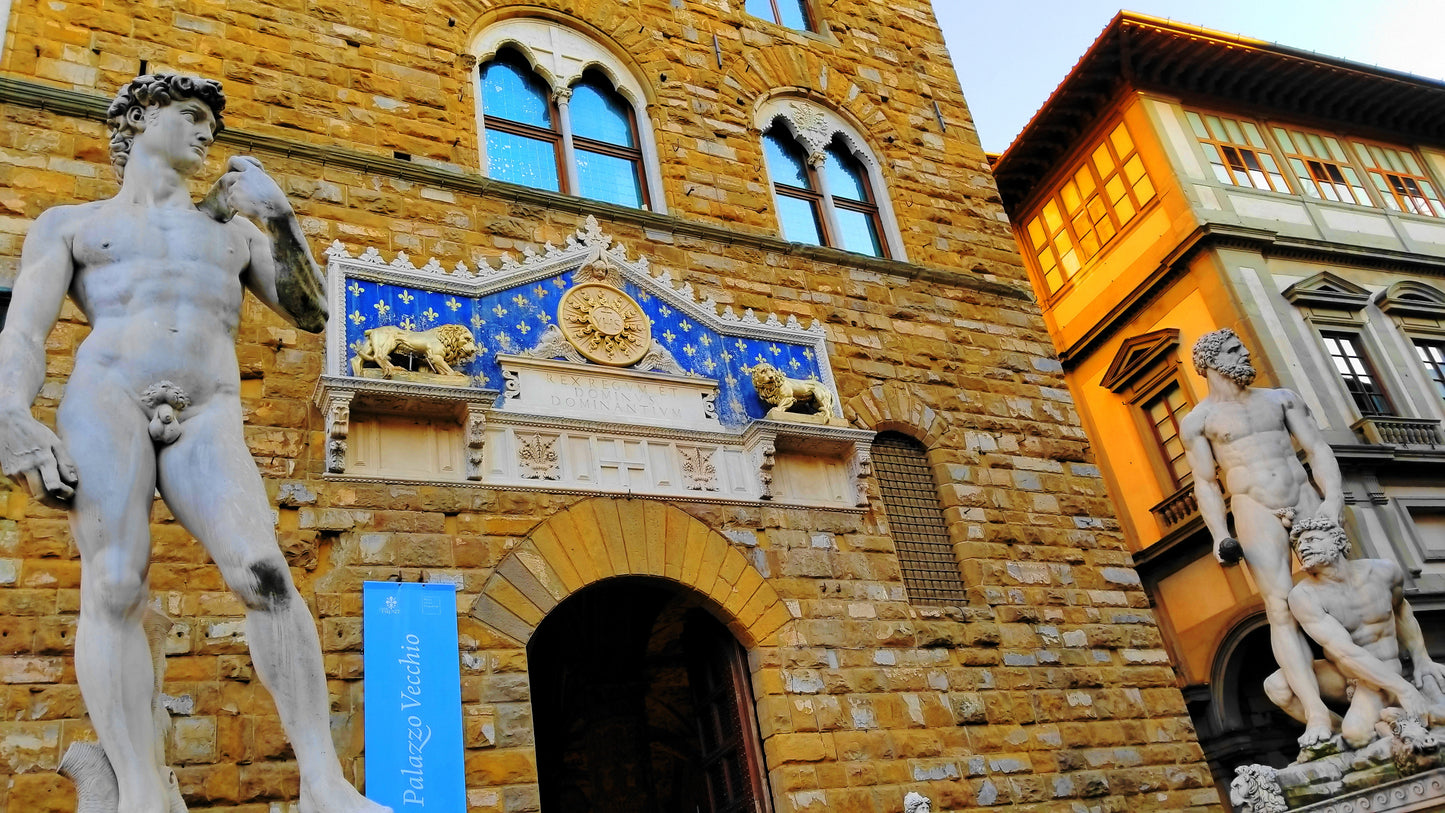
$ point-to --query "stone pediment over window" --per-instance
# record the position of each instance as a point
(1414, 299)
(590, 372)
(1139, 355)
(1329, 292)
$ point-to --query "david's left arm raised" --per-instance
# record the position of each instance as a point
(282, 272)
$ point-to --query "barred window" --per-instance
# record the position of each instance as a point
(915, 515)
(1237, 151)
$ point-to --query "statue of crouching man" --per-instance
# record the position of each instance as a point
(1356, 611)
(153, 404)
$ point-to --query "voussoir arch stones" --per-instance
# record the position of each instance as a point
(605, 538)
(885, 407)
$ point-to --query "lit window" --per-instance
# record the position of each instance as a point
(915, 516)
(1432, 355)
(1320, 165)
(834, 207)
(1093, 205)
(1357, 374)
(1237, 151)
(790, 13)
(524, 134)
(1400, 179)
(1164, 412)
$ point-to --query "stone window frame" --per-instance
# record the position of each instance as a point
(560, 55)
(815, 127)
(925, 581)
(810, 15)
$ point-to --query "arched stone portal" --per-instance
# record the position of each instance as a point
(604, 538)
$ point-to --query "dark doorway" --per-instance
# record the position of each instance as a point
(641, 704)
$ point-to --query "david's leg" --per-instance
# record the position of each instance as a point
(1266, 550)
(210, 483)
(110, 521)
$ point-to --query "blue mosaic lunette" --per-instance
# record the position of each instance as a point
(512, 320)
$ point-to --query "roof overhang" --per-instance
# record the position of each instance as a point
(1138, 52)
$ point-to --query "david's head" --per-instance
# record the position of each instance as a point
(176, 117)
(1318, 541)
(1223, 351)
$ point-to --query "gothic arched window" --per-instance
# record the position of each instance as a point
(562, 112)
(828, 191)
(524, 143)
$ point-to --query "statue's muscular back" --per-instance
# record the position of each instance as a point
(1251, 444)
(162, 289)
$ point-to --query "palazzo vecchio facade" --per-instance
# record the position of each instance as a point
(671, 596)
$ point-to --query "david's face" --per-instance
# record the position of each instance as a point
(179, 133)
(1233, 361)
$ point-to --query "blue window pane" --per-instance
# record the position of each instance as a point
(800, 222)
(518, 159)
(845, 175)
(606, 177)
(787, 163)
(600, 114)
(511, 91)
(859, 232)
(793, 14)
(762, 8)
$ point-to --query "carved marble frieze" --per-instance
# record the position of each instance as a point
(580, 369)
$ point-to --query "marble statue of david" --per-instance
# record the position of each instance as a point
(153, 403)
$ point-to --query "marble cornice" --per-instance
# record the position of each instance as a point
(40, 96)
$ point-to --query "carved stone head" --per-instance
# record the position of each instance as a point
(1318, 540)
(1222, 350)
(916, 802)
(126, 115)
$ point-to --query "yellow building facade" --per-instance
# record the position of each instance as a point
(1182, 180)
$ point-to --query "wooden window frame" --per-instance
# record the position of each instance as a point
(1221, 145)
(809, 19)
(1384, 186)
(1165, 465)
(552, 135)
(1069, 230)
(631, 154)
(1356, 342)
(823, 201)
(1315, 166)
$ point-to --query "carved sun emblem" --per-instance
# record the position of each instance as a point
(604, 324)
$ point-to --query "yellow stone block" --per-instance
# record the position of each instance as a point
(549, 548)
(631, 516)
(512, 599)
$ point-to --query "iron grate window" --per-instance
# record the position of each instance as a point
(915, 515)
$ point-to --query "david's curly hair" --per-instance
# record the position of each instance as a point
(1206, 349)
(125, 117)
(1300, 527)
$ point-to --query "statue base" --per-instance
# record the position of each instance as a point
(1393, 773)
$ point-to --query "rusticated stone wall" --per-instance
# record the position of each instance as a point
(1049, 690)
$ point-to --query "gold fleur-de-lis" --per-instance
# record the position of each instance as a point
(732, 380)
(759, 358)
(709, 365)
(808, 353)
(545, 317)
(689, 350)
(453, 303)
(355, 288)
(644, 296)
(665, 310)
(523, 328)
(406, 297)
(669, 336)
(520, 301)
(407, 323)
(478, 321)
(499, 310)
(429, 314)
(794, 363)
(726, 356)
(559, 282)
(382, 308)
(539, 292)
(685, 325)
(774, 349)
(742, 348)
(705, 339)
(357, 318)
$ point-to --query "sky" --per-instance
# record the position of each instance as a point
(1011, 54)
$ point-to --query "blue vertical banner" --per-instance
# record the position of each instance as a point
(413, 697)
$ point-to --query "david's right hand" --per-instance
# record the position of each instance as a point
(32, 456)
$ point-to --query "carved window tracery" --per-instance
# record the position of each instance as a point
(827, 185)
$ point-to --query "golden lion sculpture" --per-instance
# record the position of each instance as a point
(791, 398)
(440, 347)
